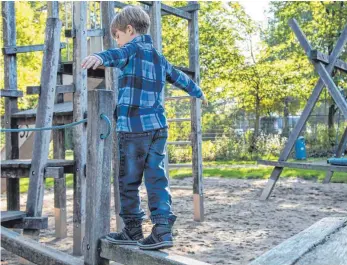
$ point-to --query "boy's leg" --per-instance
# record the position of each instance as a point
(159, 196)
(133, 149)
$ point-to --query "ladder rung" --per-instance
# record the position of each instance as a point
(11, 93)
(178, 98)
(180, 143)
(60, 89)
(70, 33)
(180, 165)
(178, 120)
(28, 48)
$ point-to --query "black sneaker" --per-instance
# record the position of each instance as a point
(128, 236)
(161, 237)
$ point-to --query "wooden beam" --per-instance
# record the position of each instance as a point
(11, 93)
(314, 166)
(111, 83)
(60, 89)
(178, 119)
(27, 223)
(80, 131)
(12, 215)
(11, 106)
(324, 58)
(171, 10)
(195, 112)
(70, 33)
(29, 48)
(294, 249)
(99, 158)
(54, 172)
(132, 255)
(33, 251)
(177, 98)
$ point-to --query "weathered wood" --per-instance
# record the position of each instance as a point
(171, 10)
(131, 255)
(180, 143)
(305, 114)
(111, 83)
(60, 213)
(26, 163)
(54, 172)
(79, 131)
(180, 165)
(316, 166)
(340, 150)
(60, 89)
(12, 215)
(11, 106)
(297, 247)
(69, 33)
(177, 98)
(324, 58)
(36, 223)
(178, 119)
(34, 251)
(10, 93)
(10, 50)
(196, 120)
(44, 119)
(99, 157)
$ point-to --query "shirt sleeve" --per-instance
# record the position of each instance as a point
(182, 81)
(117, 57)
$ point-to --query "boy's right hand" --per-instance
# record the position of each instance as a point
(204, 100)
(91, 61)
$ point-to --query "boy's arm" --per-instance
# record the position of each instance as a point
(182, 81)
(117, 57)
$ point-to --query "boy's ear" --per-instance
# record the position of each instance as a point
(131, 29)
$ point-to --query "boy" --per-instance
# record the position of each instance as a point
(141, 126)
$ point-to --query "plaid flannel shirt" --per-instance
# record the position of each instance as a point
(144, 73)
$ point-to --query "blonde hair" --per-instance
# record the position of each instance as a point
(131, 15)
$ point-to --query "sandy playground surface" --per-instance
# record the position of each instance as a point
(238, 227)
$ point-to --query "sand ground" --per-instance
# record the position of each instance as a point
(238, 227)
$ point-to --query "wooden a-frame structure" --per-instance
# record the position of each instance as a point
(324, 65)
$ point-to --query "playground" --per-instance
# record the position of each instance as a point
(248, 187)
(238, 227)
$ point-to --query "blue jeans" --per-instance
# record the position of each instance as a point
(144, 154)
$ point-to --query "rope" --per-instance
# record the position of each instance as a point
(104, 117)
(44, 128)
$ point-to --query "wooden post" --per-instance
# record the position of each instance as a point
(44, 118)
(196, 119)
(111, 82)
(11, 106)
(99, 157)
(60, 215)
(79, 131)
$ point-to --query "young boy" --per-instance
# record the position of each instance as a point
(141, 126)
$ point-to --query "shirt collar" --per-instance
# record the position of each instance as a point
(143, 38)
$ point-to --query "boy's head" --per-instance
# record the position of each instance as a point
(129, 23)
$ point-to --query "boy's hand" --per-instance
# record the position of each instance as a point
(91, 61)
(204, 100)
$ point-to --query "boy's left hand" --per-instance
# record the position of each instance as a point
(91, 61)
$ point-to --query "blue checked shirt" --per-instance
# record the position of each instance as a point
(144, 72)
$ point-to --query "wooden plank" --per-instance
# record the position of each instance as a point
(180, 143)
(198, 191)
(296, 247)
(11, 106)
(178, 119)
(12, 215)
(177, 98)
(171, 10)
(340, 150)
(9, 50)
(69, 33)
(333, 251)
(11, 93)
(79, 131)
(111, 83)
(131, 255)
(54, 172)
(99, 157)
(60, 109)
(44, 119)
(36, 223)
(180, 165)
(324, 58)
(34, 251)
(305, 114)
(314, 166)
(60, 89)
(26, 163)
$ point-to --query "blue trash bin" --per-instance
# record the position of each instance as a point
(300, 148)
